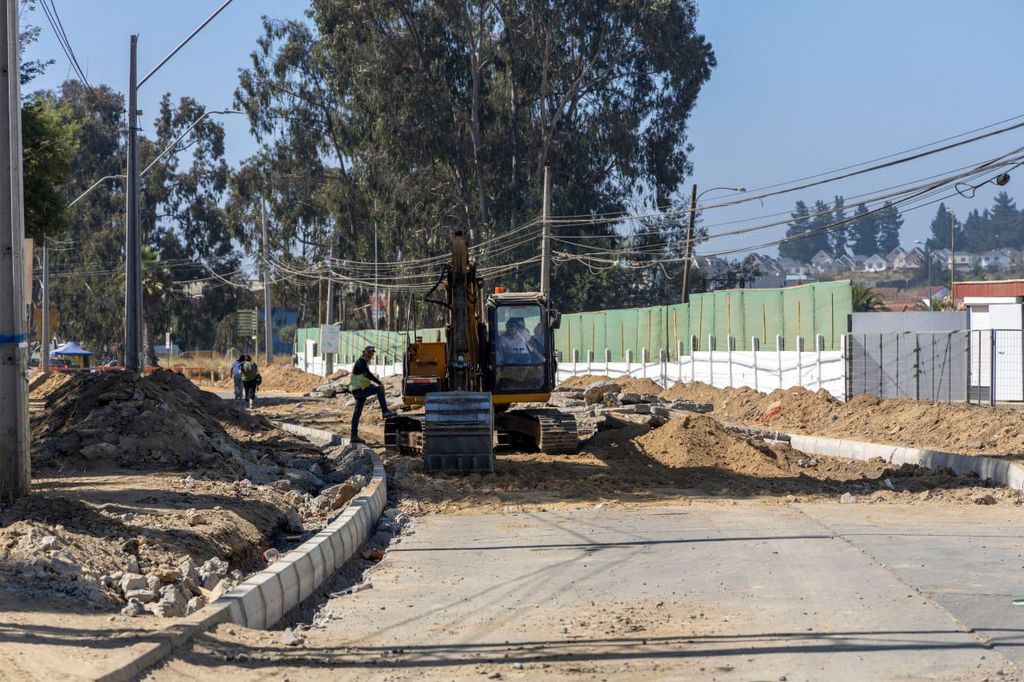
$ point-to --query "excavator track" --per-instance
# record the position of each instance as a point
(458, 432)
(549, 431)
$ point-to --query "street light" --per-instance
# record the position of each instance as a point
(928, 260)
(133, 360)
(689, 233)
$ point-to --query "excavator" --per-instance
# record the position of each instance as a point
(498, 353)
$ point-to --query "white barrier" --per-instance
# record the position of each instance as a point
(762, 370)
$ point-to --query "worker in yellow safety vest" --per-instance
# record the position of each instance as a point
(363, 385)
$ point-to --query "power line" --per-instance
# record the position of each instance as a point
(53, 17)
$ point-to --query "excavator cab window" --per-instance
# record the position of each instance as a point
(519, 339)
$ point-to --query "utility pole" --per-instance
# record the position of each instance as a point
(375, 303)
(133, 360)
(330, 287)
(268, 323)
(952, 253)
(545, 241)
(44, 352)
(688, 250)
(15, 469)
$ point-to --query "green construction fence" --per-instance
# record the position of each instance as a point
(800, 311)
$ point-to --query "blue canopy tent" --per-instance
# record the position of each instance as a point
(75, 354)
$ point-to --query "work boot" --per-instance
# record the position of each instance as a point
(390, 414)
(356, 440)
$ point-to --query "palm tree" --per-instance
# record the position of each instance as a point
(866, 300)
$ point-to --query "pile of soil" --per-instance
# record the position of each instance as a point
(629, 384)
(958, 427)
(136, 479)
(278, 377)
(159, 422)
(700, 442)
(42, 385)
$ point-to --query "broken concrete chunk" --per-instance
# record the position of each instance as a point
(134, 608)
(194, 604)
(847, 498)
(133, 581)
(595, 393)
(144, 595)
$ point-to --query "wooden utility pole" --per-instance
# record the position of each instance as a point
(268, 322)
(545, 242)
(15, 469)
(688, 250)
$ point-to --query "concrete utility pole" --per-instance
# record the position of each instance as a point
(952, 253)
(545, 241)
(45, 331)
(268, 323)
(15, 470)
(689, 244)
(133, 360)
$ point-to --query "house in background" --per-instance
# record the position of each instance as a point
(876, 263)
(964, 260)
(994, 260)
(822, 260)
(913, 259)
(895, 258)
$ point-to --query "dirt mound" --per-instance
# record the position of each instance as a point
(958, 427)
(699, 442)
(629, 384)
(42, 385)
(161, 421)
(288, 379)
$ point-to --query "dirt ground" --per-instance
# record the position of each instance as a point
(152, 477)
(688, 459)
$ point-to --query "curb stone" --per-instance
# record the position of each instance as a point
(263, 599)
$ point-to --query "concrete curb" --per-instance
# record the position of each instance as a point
(264, 598)
(317, 437)
(1003, 471)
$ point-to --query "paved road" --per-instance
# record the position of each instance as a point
(852, 592)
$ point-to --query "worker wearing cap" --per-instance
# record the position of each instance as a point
(363, 385)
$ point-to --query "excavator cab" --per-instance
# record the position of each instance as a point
(520, 351)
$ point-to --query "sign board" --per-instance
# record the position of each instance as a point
(330, 338)
(248, 321)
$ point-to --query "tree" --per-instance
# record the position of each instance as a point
(422, 117)
(1005, 223)
(940, 228)
(864, 232)
(796, 247)
(839, 234)
(866, 300)
(818, 230)
(889, 222)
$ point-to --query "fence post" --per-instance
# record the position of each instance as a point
(663, 367)
(916, 367)
(607, 361)
(575, 359)
(730, 346)
(819, 345)
(590, 361)
(800, 360)
(711, 359)
(755, 347)
(645, 357)
(779, 341)
(992, 367)
(629, 362)
(679, 358)
(693, 358)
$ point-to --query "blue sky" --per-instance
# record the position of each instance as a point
(801, 86)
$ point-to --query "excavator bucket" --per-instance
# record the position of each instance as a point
(458, 432)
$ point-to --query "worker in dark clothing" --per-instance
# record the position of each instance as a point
(363, 385)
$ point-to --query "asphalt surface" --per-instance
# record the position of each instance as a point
(749, 592)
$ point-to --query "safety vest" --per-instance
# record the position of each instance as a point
(358, 382)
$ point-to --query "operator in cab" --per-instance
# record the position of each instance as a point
(513, 345)
(362, 386)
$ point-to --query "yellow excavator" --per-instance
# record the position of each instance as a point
(498, 352)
